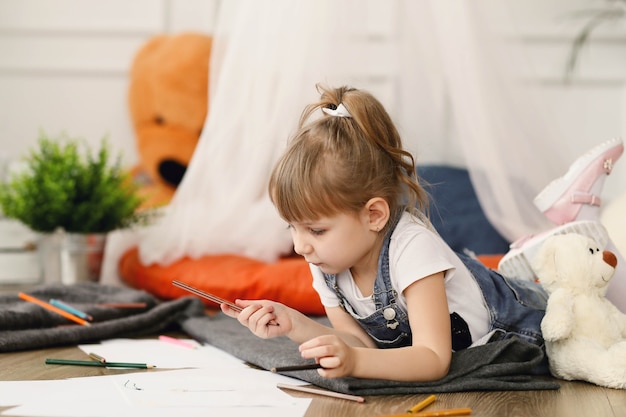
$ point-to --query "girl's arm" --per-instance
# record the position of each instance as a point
(268, 319)
(427, 359)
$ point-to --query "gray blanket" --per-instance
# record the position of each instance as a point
(508, 365)
(25, 325)
(503, 365)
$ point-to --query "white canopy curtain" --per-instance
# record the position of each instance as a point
(451, 83)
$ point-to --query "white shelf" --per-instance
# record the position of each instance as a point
(19, 259)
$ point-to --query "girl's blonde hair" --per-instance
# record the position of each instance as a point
(337, 164)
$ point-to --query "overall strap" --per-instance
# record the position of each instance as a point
(383, 294)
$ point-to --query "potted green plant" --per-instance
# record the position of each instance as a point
(73, 197)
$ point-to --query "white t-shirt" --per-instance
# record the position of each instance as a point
(416, 252)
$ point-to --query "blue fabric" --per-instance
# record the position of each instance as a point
(456, 212)
(516, 307)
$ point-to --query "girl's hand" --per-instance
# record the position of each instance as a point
(336, 357)
(264, 318)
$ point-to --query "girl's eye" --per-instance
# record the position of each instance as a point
(317, 232)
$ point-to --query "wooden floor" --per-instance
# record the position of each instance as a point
(572, 399)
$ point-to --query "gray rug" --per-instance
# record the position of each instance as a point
(25, 325)
(503, 365)
(507, 365)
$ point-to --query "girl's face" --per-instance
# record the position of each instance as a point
(335, 243)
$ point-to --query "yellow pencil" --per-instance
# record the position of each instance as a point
(50, 307)
(444, 413)
(438, 413)
(422, 404)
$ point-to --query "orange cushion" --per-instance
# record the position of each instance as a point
(490, 261)
(287, 281)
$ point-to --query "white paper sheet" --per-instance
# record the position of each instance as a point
(163, 355)
(212, 383)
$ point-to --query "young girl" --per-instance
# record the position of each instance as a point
(400, 301)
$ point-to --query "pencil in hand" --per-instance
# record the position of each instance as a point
(296, 368)
(210, 297)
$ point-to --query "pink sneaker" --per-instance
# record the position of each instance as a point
(517, 263)
(576, 195)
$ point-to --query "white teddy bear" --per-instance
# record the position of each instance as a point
(585, 334)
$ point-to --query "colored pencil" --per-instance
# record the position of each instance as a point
(70, 309)
(206, 295)
(322, 392)
(213, 298)
(50, 361)
(422, 404)
(123, 305)
(437, 413)
(178, 342)
(444, 413)
(52, 308)
(296, 368)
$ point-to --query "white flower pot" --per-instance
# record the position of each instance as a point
(70, 258)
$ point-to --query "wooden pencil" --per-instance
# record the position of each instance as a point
(422, 404)
(296, 368)
(322, 392)
(436, 413)
(206, 295)
(70, 309)
(51, 361)
(213, 298)
(444, 413)
(123, 305)
(97, 357)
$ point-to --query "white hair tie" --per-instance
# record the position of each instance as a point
(340, 111)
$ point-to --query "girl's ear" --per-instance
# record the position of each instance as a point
(377, 211)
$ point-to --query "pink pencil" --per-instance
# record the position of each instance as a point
(178, 342)
(322, 392)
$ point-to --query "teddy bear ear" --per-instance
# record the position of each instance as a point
(544, 262)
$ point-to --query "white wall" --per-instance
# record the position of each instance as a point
(64, 66)
(591, 107)
(593, 104)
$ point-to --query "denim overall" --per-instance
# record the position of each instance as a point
(516, 307)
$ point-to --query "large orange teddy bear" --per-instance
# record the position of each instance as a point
(168, 103)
